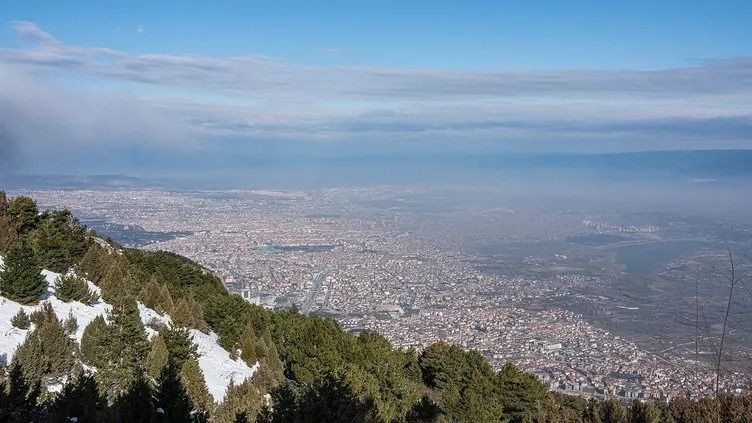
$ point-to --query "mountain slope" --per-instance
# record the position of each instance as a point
(215, 362)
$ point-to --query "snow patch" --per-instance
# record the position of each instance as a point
(218, 368)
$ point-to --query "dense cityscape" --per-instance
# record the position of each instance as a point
(398, 263)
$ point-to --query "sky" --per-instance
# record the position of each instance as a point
(148, 87)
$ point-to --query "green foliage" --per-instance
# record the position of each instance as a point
(47, 353)
(21, 320)
(95, 263)
(128, 348)
(240, 400)
(3, 202)
(310, 346)
(8, 234)
(611, 411)
(43, 313)
(19, 398)
(70, 324)
(117, 285)
(23, 213)
(157, 296)
(171, 397)
(58, 240)
(79, 398)
(96, 343)
(156, 361)
(192, 379)
(465, 381)
(521, 394)
(189, 313)
(21, 279)
(135, 404)
(74, 288)
(180, 346)
(645, 413)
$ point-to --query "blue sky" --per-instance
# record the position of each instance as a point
(362, 77)
(443, 34)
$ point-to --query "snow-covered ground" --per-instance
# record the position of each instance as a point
(218, 368)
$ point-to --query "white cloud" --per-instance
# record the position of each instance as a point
(188, 99)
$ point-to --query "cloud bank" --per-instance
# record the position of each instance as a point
(57, 96)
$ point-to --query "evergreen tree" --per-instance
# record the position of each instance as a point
(42, 313)
(189, 313)
(21, 279)
(21, 320)
(240, 400)
(19, 398)
(47, 353)
(79, 399)
(95, 263)
(128, 348)
(58, 240)
(72, 288)
(645, 413)
(171, 397)
(612, 412)
(3, 202)
(248, 345)
(23, 213)
(156, 361)
(521, 394)
(117, 284)
(71, 324)
(194, 383)
(135, 404)
(8, 234)
(96, 343)
(180, 345)
(156, 296)
(166, 302)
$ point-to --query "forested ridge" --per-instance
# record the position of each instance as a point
(310, 370)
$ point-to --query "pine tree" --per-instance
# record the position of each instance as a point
(19, 398)
(95, 263)
(71, 324)
(128, 349)
(117, 284)
(80, 399)
(21, 320)
(243, 399)
(21, 280)
(96, 343)
(248, 343)
(156, 296)
(3, 202)
(189, 313)
(71, 288)
(23, 212)
(156, 361)
(171, 397)
(166, 302)
(47, 353)
(58, 241)
(8, 234)
(135, 404)
(180, 345)
(645, 413)
(194, 383)
(43, 313)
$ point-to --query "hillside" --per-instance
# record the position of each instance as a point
(215, 362)
(158, 338)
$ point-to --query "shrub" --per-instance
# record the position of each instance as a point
(21, 320)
